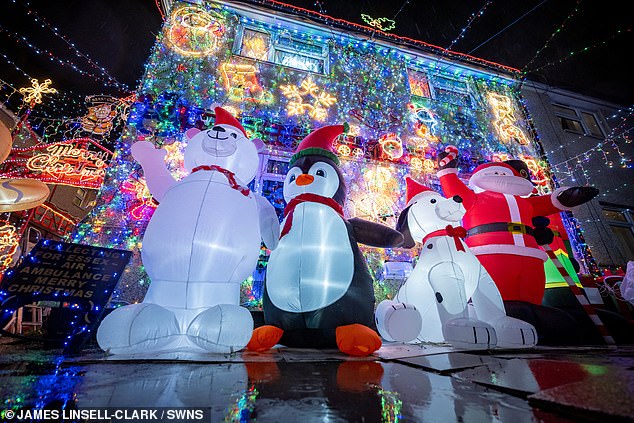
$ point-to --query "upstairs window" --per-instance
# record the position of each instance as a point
(283, 49)
(255, 44)
(578, 121)
(440, 88)
(418, 83)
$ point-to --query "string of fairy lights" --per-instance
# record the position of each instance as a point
(557, 31)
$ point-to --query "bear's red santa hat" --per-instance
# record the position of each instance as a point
(415, 190)
(223, 117)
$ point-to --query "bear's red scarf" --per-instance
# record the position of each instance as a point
(303, 198)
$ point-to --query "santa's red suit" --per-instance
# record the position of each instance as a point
(499, 234)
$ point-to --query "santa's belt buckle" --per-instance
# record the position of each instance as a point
(516, 228)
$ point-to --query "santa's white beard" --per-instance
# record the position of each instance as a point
(512, 185)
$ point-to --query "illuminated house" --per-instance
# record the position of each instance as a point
(284, 71)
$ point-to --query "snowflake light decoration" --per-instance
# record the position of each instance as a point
(33, 95)
(316, 105)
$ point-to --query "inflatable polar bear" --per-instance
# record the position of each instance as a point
(432, 305)
(201, 243)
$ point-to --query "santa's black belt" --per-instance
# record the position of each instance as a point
(513, 227)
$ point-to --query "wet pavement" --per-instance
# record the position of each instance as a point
(400, 383)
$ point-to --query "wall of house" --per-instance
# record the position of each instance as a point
(581, 155)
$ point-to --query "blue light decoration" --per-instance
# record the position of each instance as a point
(395, 95)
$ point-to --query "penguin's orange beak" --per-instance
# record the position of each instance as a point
(304, 179)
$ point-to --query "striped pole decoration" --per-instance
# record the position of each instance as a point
(587, 307)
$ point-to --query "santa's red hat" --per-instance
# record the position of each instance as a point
(223, 117)
(413, 190)
(496, 164)
(319, 142)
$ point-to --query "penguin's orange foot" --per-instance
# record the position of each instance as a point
(264, 338)
(357, 340)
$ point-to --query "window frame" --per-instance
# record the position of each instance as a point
(627, 223)
(577, 115)
(276, 46)
(434, 85)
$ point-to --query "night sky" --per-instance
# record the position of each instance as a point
(118, 35)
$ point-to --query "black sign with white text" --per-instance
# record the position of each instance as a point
(80, 277)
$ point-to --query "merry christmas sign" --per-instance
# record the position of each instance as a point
(79, 162)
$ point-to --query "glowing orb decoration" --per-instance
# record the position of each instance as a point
(374, 196)
(392, 146)
(307, 98)
(9, 242)
(504, 121)
(194, 31)
(33, 94)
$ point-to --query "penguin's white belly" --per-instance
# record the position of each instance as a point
(313, 265)
(203, 231)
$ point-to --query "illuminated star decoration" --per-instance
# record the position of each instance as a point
(382, 24)
(317, 108)
(33, 95)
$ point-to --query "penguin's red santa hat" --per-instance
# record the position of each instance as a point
(319, 142)
(223, 117)
(414, 191)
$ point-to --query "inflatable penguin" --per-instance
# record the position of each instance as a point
(201, 243)
(500, 212)
(318, 291)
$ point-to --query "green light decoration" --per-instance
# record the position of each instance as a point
(382, 24)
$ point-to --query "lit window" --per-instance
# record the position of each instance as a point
(440, 88)
(418, 83)
(255, 44)
(300, 54)
(277, 167)
(283, 49)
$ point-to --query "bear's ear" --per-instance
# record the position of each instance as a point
(403, 228)
(259, 144)
(191, 133)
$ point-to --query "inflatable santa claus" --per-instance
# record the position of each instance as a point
(500, 211)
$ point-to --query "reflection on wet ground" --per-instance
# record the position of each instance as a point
(400, 383)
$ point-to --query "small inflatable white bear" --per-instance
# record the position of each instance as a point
(201, 243)
(446, 277)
